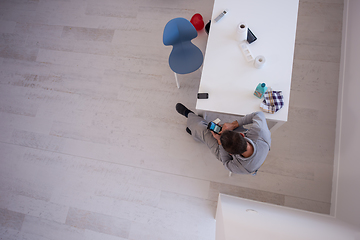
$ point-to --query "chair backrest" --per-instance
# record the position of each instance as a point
(178, 30)
(185, 57)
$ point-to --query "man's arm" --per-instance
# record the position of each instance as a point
(259, 127)
(230, 126)
(225, 157)
(229, 163)
(247, 119)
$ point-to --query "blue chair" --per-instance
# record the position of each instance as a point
(185, 57)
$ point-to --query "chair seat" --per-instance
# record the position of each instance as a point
(185, 58)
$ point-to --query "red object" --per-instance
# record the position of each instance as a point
(197, 21)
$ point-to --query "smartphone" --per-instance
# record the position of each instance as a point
(202, 95)
(251, 37)
(214, 127)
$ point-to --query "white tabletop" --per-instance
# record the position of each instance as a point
(228, 77)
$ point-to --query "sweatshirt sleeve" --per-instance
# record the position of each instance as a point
(259, 128)
(249, 118)
(225, 157)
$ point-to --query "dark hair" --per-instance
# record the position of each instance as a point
(233, 142)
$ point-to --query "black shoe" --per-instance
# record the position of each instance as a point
(188, 130)
(180, 108)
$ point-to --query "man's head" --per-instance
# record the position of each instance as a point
(233, 142)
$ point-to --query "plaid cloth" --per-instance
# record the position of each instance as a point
(273, 101)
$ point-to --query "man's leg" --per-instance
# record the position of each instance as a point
(199, 131)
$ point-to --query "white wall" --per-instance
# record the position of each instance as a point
(238, 218)
(346, 185)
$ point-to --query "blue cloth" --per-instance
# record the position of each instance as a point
(185, 57)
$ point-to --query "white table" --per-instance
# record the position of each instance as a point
(228, 77)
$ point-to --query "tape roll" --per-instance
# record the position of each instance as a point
(241, 32)
(259, 61)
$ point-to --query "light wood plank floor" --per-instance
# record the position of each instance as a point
(91, 146)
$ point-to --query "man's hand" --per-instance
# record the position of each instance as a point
(229, 126)
(216, 136)
(225, 127)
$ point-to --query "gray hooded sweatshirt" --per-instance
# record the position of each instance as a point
(259, 136)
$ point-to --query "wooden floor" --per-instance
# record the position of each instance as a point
(91, 146)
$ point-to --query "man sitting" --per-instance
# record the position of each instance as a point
(239, 152)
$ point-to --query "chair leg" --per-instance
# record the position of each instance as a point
(177, 82)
